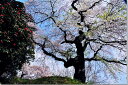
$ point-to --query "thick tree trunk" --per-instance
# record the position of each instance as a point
(78, 62)
(80, 71)
(79, 66)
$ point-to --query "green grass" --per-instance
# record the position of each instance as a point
(46, 80)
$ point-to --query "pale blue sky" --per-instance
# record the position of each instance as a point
(22, 0)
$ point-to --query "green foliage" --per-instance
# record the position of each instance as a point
(108, 15)
(16, 47)
(46, 80)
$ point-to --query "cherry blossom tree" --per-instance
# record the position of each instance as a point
(86, 34)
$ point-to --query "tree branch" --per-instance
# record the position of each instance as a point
(43, 20)
(96, 52)
(93, 5)
(124, 42)
(65, 39)
(81, 12)
(107, 60)
(73, 5)
(47, 53)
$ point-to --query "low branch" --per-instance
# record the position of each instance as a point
(52, 55)
(107, 60)
(100, 59)
(47, 53)
(124, 42)
(95, 52)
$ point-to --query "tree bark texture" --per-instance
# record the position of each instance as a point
(78, 62)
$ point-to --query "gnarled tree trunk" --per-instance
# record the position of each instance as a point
(80, 71)
(78, 62)
(79, 65)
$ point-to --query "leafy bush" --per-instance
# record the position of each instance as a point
(16, 47)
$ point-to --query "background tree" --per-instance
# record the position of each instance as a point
(81, 35)
(33, 72)
(16, 48)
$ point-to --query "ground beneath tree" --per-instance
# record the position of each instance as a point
(46, 80)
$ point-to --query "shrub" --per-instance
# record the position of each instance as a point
(16, 47)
